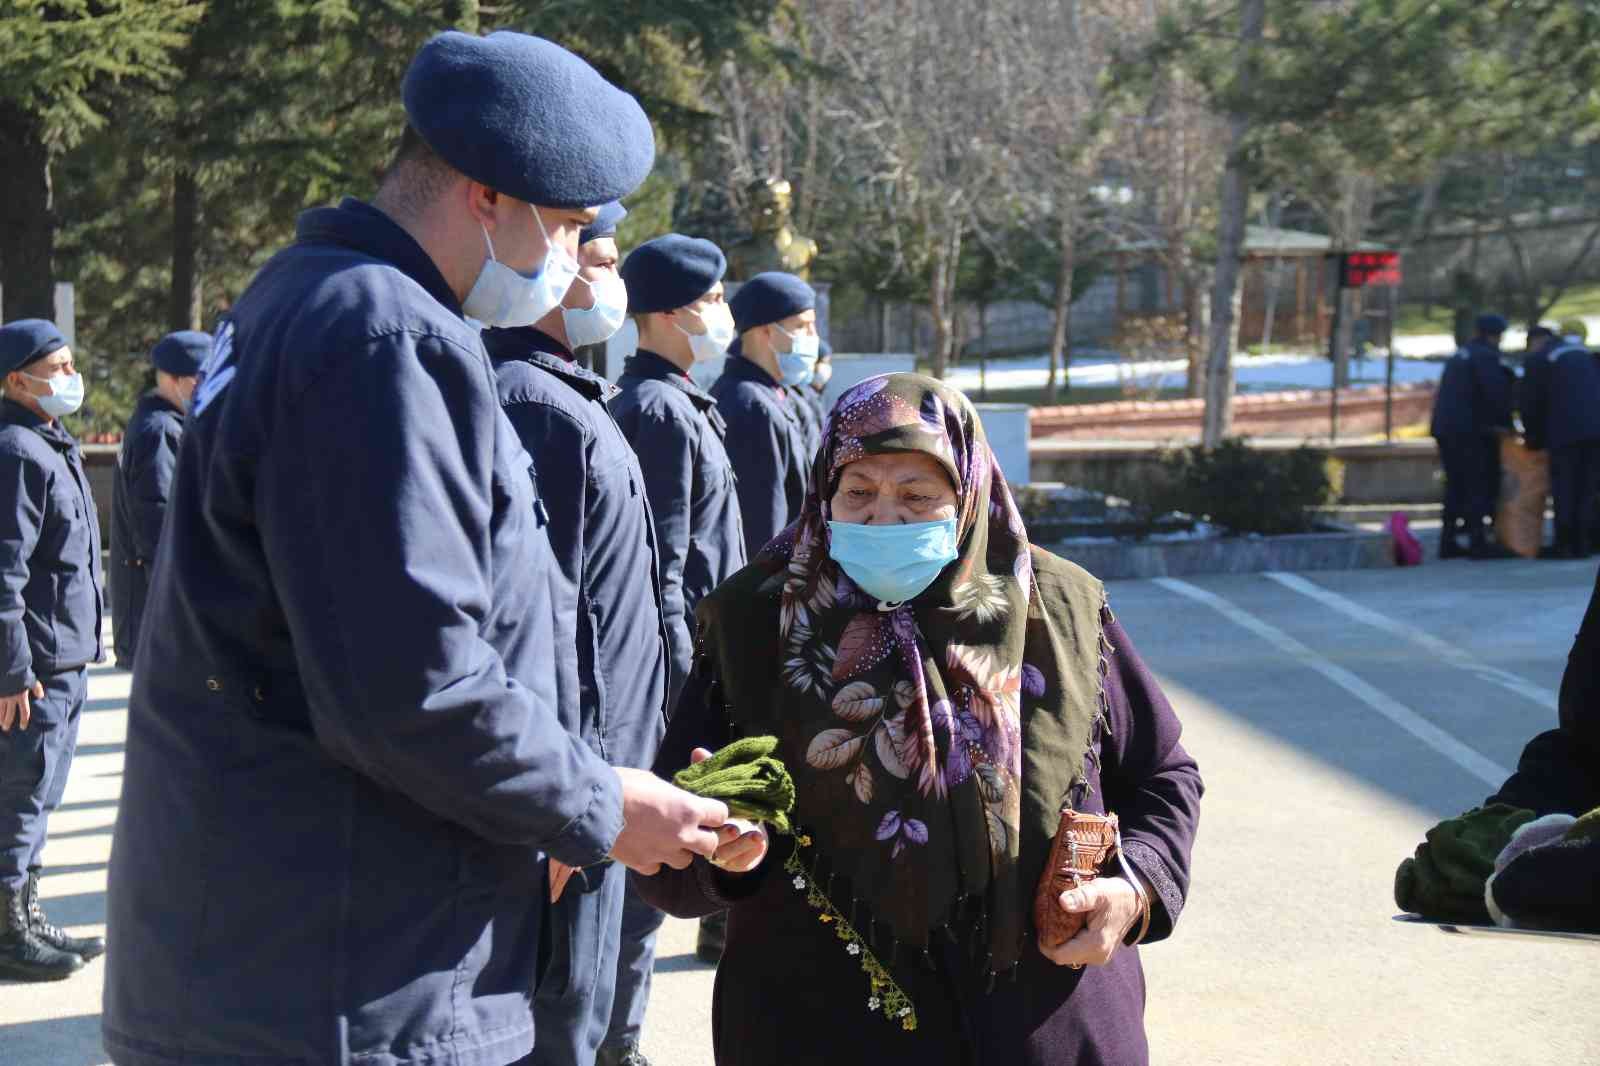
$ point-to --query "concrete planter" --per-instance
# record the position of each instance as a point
(1335, 550)
(1007, 427)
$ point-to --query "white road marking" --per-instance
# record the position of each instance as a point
(1485, 770)
(1440, 649)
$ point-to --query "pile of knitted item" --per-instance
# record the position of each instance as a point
(746, 777)
(1548, 876)
(1504, 864)
(1444, 880)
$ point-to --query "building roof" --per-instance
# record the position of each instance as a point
(1268, 242)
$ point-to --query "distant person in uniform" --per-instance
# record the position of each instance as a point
(608, 610)
(1572, 412)
(347, 763)
(775, 315)
(50, 617)
(1533, 388)
(143, 481)
(1471, 412)
(675, 295)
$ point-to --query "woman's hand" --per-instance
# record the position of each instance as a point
(1110, 906)
(741, 844)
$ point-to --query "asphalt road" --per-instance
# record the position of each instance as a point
(1334, 716)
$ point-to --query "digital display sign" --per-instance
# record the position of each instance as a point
(1357, 270)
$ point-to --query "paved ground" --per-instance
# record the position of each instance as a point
(1335, 717)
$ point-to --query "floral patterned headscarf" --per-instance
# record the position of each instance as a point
(903, 726)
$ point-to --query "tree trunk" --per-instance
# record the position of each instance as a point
(27, 218)
(1197, 328)
(1061, 334)
(945, 262)
(1349, 313)
(941, 313)
(1234, 201)
(183, 298)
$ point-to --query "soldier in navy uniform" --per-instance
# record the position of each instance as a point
(143, 481)
(608, 611)
(1471, 412)
(50, 617)
(776, 317)
(1571, 408)
(347, 763)
(1533, 395)
(810, 397)
(675, 295)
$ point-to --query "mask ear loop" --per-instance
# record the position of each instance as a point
(486, 240)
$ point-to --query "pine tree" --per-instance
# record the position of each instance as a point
(67, 64)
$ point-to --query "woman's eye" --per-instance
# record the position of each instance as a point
(858, 494)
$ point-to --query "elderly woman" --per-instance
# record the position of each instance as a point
(940, 689)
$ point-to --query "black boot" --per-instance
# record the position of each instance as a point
(23, 956)
(621, 1055)
(85, 947)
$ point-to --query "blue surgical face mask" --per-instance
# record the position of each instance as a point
(65, 395)
(503, 297)
(798, 364)
(893, 563)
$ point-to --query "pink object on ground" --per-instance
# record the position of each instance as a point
(1407, 548)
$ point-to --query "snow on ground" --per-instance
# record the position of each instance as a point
(1419, 358)
(1262, 373)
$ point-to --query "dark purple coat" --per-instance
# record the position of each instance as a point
(787, 991)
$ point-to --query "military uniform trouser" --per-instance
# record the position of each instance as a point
(572, 1001)
(635, 962)
(34, 763)
(1574, 481)
(1471, 480)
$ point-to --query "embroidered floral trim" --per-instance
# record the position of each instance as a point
(887, 996)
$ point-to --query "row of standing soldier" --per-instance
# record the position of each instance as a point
(1558, 399)
(293, 555)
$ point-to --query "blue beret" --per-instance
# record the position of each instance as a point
(528, 118)
(671, 272)
(604, 224)
(770, 297)
(27, 339)
(1488, 324)
(181, 353)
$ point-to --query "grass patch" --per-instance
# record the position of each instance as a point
(1580, 301)
(1415, 320)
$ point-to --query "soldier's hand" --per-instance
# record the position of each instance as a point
(17, 708)
(663, 824)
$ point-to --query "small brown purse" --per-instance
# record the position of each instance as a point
(1085, 845)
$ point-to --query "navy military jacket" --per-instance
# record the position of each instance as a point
(1474, 396)
(676, 432)
(1574, 396)
(608, 604)
(767, 444)
(1533, 398)
(344, 756)
(139, 494)
(50, 603)
(807, 404)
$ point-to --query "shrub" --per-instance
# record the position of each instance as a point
(1247, 490)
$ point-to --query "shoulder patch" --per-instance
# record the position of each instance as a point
(216, 373)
